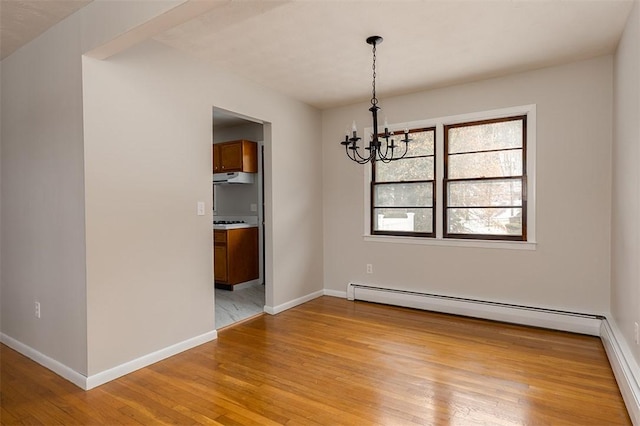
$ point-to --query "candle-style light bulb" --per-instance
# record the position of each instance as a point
(354, 129)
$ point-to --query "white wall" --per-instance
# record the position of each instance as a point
(248, 130)
(569, 268)
(139, 277)
(147, 162)
(42, 196)
(625, 246)
(236, 200)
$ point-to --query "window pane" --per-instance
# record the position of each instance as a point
(403, 220)
(507, 192)
(403, 195)
(484, 137)
(407, 169)
(490, 221)
(422, 143)
(485, 164)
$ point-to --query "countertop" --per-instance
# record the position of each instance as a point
(233, 226)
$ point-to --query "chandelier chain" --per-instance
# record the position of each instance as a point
(374, 99)
(381, 147)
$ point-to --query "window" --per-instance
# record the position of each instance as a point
(403, 192)
(485, 179)
(466, 180)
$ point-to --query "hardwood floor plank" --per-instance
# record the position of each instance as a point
(335, 362)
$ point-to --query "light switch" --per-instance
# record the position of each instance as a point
(200, 208)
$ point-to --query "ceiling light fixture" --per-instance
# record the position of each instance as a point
(376, 153)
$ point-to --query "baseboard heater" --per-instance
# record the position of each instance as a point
(576, 322)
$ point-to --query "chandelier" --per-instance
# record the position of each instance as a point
(376, 152)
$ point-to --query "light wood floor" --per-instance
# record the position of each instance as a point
(331, 362)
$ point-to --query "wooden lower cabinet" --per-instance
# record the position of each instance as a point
(235, 256)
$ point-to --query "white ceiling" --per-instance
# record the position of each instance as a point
(315, 50)
(23, 20)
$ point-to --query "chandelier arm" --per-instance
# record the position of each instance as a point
(382, 155)
(406, 149)
(364, 161)
(388, 151)
(346, 151)
(406, 141)
(388, 154)
(372, 156)
(357, 157)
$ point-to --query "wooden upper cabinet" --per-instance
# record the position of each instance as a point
(216, 158)
(235, 156)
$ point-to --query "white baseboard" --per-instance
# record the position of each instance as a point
(246, 284)
(57, 367)
(537, 317)
(103, 377)
(335, 293)
(273, 310)
(146, 360)
(624, 367)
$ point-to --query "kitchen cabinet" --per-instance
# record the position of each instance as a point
(235, 156)
(235, 256)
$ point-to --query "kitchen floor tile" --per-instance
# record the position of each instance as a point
(233, 306)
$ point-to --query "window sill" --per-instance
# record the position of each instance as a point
(450, 242)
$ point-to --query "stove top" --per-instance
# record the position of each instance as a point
(227, 222)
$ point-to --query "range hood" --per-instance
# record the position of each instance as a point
(233, 178)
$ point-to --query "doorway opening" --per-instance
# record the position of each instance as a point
(238, 216)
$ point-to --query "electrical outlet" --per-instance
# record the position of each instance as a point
(636, 333)
(37, 312)
(200, 208)
(369, 268)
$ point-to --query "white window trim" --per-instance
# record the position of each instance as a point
(439, 123)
